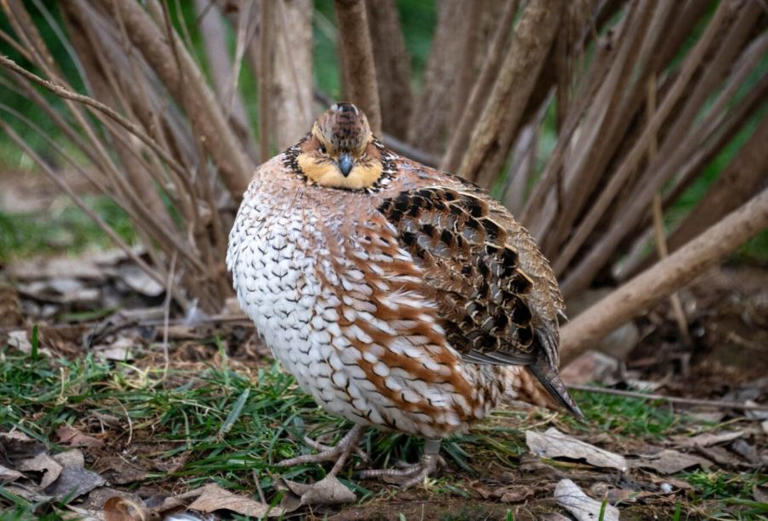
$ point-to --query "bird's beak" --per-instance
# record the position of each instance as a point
(345, 164)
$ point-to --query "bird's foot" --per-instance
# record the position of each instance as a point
(412, 474)
(338, 453)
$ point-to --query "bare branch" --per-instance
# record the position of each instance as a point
(357, 52)
(199, 102)
(393, 63)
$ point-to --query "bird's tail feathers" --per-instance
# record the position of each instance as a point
(550, 380)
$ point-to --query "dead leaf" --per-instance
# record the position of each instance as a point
(669, 462)
(74, 482)
(554, 516)
(327, 491)
(213, 497)
(27, 493)
(70, 458)
(81, 267)
(615, 494)
(140, 282)
(708, 438)
(582, 507)
(755, 413)
(119, 508)
(707, 416)
(44, 463)
(188, 516)
(554, 444)
(514, 494)
(18, 340)
(7, 475)
(119, 471)
(721, 456)
(16, 446)
(747, 451)
(60, 290)
(73, 437)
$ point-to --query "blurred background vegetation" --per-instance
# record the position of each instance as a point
(61, 227)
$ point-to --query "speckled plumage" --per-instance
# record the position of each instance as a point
(412, 303)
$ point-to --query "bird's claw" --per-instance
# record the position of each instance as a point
(408, 475)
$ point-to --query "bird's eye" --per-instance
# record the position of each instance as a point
(322, 149)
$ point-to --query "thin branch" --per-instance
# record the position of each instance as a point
(357, 53)
(658, 219)
(266, 43)
(94, 104)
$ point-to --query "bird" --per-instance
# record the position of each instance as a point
(398, 296)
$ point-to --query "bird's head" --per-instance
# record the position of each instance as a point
(340, 151)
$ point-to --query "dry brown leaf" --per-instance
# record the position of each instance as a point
(44, 463)
(747, 451)
(213, 497)
(721, 456)
(60, 290)
(554, 444)
(327, 491)
(514, 494)
(119, 471)
(119, 508)
(707, 439)
(73, 437)
(28, 493)
(18, 340)
(669, 462)
(73, 482)
(70, 458)
(81, 267)
(592, 366)
(582, 507)
(7, 475)
(554, 516)
(140, 282)
(17, 446)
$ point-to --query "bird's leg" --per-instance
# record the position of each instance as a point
(338, 453)
(412, 474)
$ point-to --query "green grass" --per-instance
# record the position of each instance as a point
(628, 417)
(232, 426)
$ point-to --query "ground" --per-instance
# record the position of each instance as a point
(93, 380)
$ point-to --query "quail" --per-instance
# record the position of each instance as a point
(397, 295)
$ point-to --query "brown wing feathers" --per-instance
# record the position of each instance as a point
(475, 277)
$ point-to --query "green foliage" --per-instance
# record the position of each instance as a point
(625, 416)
